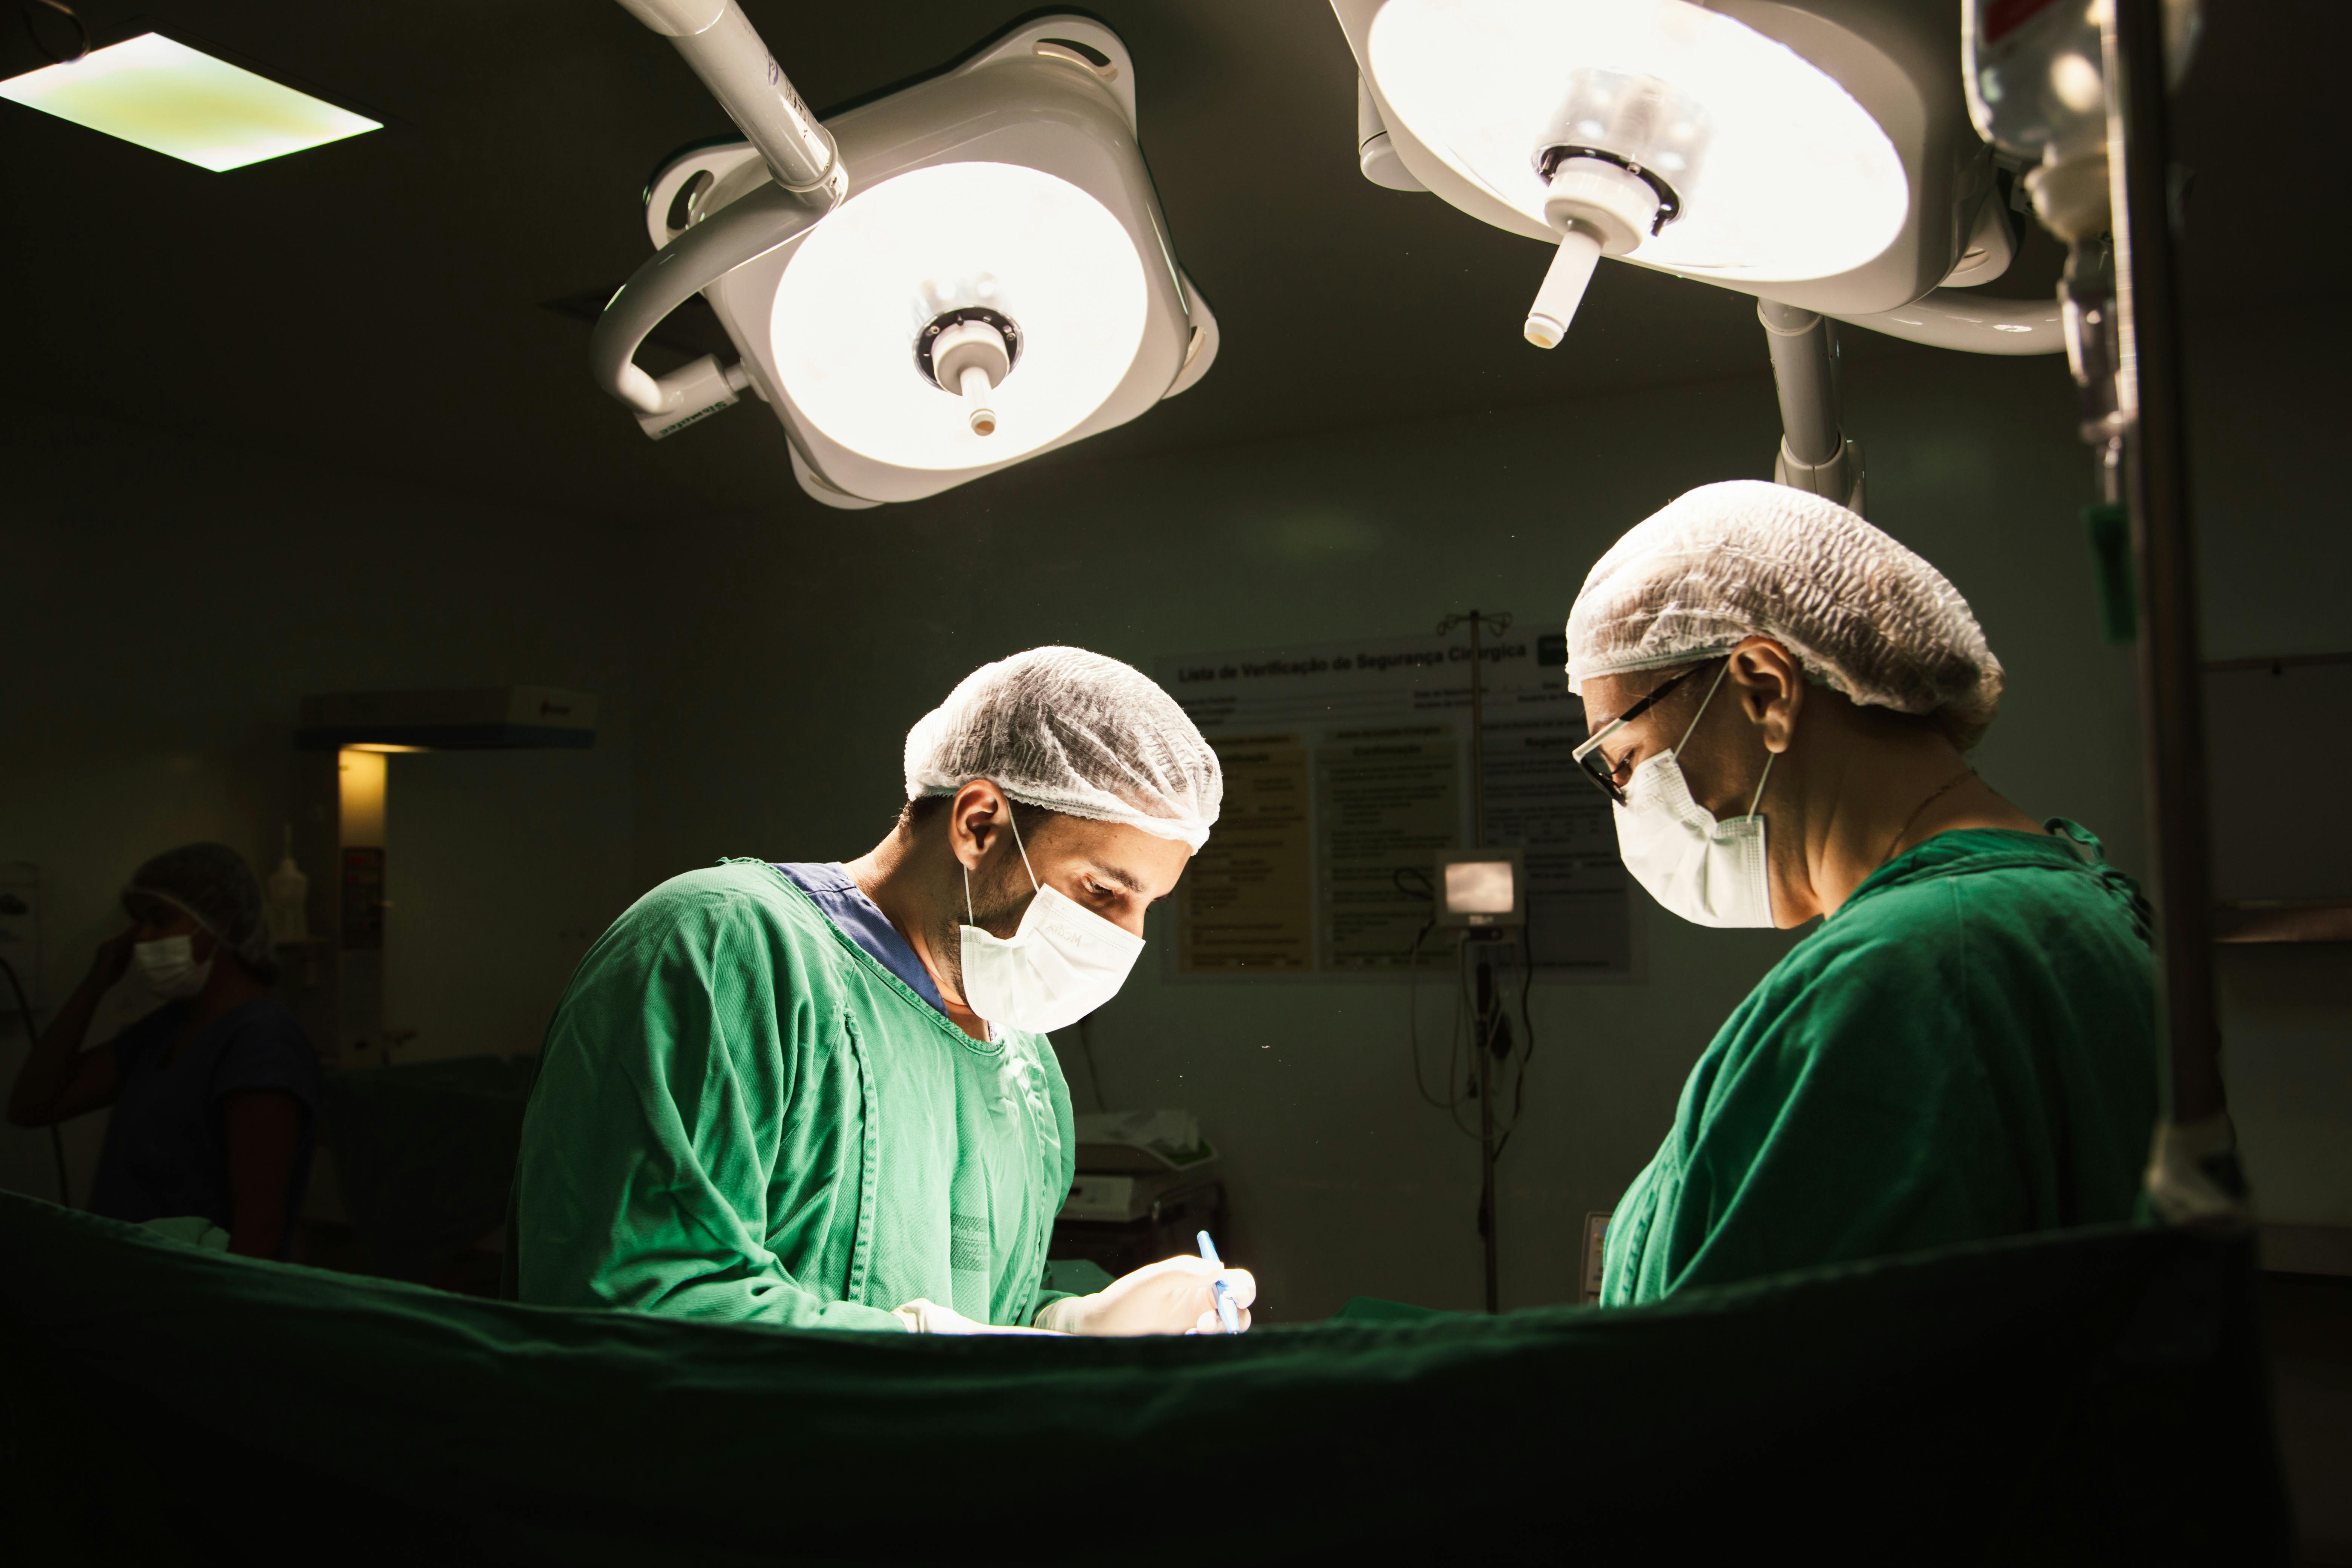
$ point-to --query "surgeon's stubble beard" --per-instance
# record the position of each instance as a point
(999, 898)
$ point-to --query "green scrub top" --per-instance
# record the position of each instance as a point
(1965, 1049)
(741, 1116)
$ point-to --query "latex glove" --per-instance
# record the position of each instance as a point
(1171, 1297)
(923, 1317)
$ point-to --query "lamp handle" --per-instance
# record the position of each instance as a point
(740, 232)
(721, 45)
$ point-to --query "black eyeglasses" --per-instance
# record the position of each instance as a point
(1598, 768)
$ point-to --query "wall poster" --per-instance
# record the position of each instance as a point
(1348, 768)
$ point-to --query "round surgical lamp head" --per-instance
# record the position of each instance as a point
(1651, 129)
(990, 257)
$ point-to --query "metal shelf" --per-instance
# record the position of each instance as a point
(2283, 919)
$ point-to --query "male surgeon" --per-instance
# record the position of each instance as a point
(821, 1096)
(1781, 699)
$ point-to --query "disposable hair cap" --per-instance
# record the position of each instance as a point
(1072, 732)
(211, 882)
(1861, 614)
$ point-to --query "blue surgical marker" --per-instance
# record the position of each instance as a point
(1219, 1291)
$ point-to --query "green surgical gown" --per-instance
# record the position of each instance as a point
(742, 1117)
(1965, 1049)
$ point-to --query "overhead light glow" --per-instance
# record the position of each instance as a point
(182, 102)
(1797, 181)
(1027, 247)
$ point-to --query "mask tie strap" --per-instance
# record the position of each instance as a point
(1017, 844)
(1701, 709)
(1759, 783)
(968, 911)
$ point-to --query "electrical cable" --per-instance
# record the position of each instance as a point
(1527, 1038)
(1412, 1024)
(62, 10)
(57, 1137)
(1464, 1011)
(1526, 1018)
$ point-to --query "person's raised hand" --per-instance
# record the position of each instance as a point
(112, 960)
(1171, 1297)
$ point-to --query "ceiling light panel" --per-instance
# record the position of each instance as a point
(180, 101)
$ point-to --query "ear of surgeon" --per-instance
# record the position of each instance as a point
(1835, 678)
(1849, 786)
(1107, 869)
(972, 868)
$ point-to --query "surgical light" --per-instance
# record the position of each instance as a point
(895, 326)
(162, 95)
(938, 282)
(1655, 129)
(1816, 153)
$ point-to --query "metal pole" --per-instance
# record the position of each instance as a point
(2156, 483)
(1485, 1011)
(1483, 1037)
(1484, 1033)
(1477, 737)
(1804, 378)
(724, 49)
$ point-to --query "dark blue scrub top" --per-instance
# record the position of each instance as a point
(831, 889)
(165, 1154)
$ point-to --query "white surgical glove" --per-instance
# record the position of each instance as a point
(1171, 1297)
(923, 1317)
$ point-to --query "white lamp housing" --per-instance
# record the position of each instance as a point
(998, 281)
(1815, 152)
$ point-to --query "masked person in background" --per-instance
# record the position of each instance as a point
(821, 1095)
(1781, 698)
(215, 1094)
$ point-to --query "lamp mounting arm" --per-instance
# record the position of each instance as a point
(724, 49)
(1815, 455)
(741, 231)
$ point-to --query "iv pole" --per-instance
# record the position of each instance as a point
(1483, 1032)
(2193, 1176)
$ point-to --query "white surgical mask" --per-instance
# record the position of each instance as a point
(168, 966)
(1060, 964)
(1711, 873)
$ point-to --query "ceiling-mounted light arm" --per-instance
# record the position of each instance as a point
(741, 231)
(721, 45)
(1973, 322)
(1815, 455)
(724, 49)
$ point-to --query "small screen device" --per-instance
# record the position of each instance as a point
(1482, 887)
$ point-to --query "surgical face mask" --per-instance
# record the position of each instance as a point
(168, 967)
(1060, 964)
(1711, 873)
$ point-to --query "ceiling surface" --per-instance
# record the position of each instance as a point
(393, 304)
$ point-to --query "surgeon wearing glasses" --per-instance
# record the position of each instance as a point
(1781, 700)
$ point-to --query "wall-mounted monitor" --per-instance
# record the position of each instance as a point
(1482, 887)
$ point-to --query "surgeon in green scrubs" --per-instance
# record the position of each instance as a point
(820, 1095)
(1780, 700)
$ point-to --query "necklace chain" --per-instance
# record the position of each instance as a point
(1941, 791)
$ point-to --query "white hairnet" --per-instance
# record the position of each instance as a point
(1072, 732)
(211, 882)
(1861, 614)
